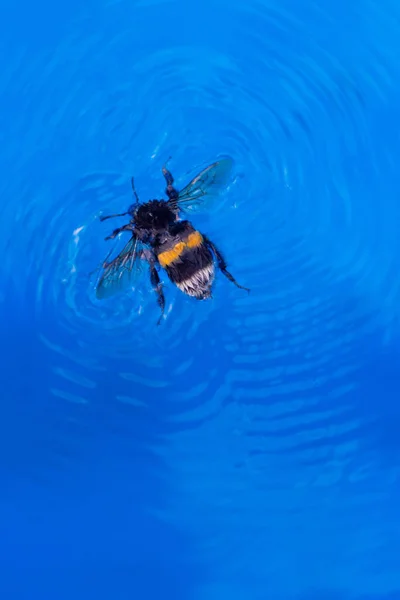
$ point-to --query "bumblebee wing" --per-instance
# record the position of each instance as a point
(205, 187)
(122, 272)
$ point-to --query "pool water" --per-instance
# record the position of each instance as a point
(248, 447)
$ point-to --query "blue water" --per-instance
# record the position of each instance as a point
(248, 448)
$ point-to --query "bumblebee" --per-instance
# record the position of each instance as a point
(161, 239)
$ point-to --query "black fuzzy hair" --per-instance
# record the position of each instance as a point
(155, 214)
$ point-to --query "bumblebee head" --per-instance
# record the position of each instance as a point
(154, 215)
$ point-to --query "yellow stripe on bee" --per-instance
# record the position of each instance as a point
(169, 256)
(195, 239)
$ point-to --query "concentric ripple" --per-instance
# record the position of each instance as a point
(298, 97)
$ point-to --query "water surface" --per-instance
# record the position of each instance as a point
(248, 447)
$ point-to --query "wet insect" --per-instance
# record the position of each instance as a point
(159, 238)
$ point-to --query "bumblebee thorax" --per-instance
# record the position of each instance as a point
(154, 215)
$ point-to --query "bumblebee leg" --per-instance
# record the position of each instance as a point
(155, 281)
(104, 218)
(171, 192)
(222, 264)
(127, 227)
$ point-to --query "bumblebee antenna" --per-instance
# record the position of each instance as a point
(134, 190)
(164, 167)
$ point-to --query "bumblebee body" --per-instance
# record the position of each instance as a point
(184, 255)
(164, 241)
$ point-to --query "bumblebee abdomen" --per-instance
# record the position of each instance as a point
(174, 254)
(198, 284)
(189, 265)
